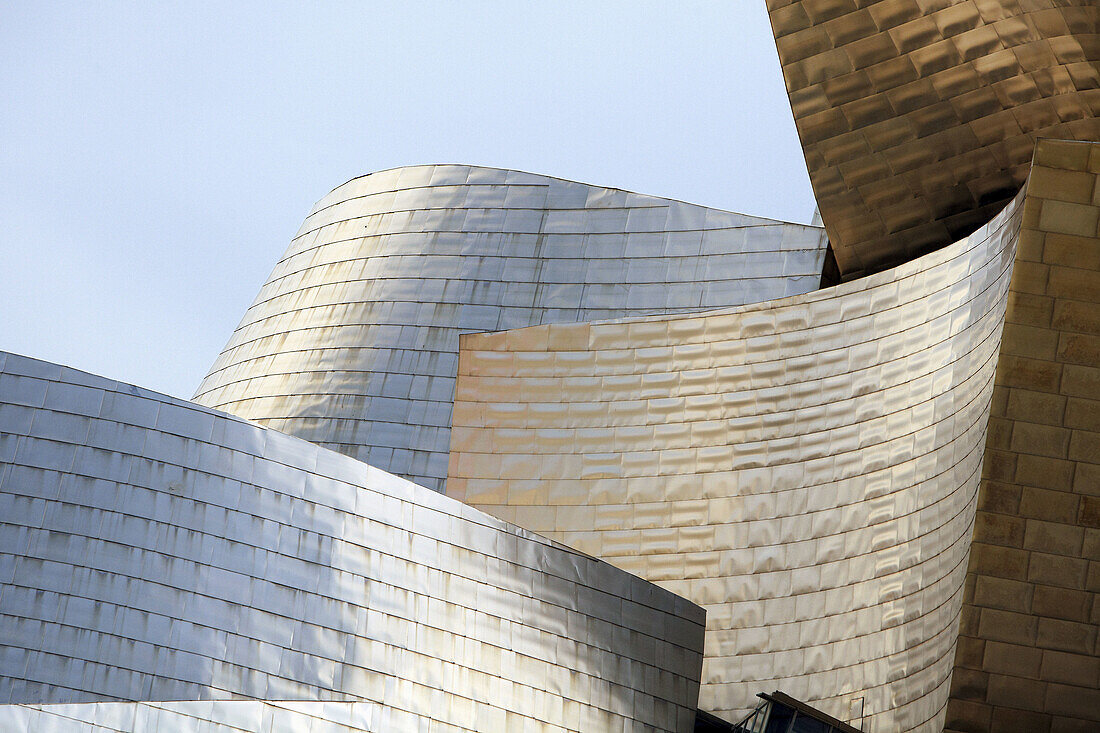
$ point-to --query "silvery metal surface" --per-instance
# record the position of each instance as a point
(215, 716)
(353, 341)
(155, 550)
(805, 469)
(918, 117)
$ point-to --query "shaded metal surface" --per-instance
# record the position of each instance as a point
(353, 341)
(918, 117)
(152, 549)
(792, 716)
(1029, 655)
(805, 469)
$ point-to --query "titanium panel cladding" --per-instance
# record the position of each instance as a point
(1028, 656)
(155, 550)
(353, 341)
(805, 469)
(919, 117)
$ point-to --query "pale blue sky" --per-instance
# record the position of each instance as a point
(156, 158)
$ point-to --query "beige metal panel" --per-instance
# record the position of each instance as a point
(353, 341)
(806, 469)
(918, 118)
(1028, 655)
(155, 550)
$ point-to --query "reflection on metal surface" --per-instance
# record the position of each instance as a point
(353, 341)
(805, 469)
(918, 118)
(155, 550)
(1028, 656)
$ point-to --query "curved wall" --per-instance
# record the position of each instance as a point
(353, 341)
(155, 550)
(221, 716)
(1029, 636)
(805, 469)
(918, 119)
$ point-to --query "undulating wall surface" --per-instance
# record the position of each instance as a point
(805, 469)
(155, 550)
(353, 341)
(918, 117)
(1028, 657)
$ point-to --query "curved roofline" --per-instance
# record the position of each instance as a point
(564, 180)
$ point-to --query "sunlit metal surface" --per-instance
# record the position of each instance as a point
(226, 716)
(805, 469)
(1028, 655)
(155, 550)
(353, 341)
(209, 716)
(918, 117)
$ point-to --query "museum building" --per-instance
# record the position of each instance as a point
(496, 451)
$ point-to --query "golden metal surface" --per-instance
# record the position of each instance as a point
(353, 341)
(918, 117)
(805, 469)
(1028, 656)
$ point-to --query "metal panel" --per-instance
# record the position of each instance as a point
(352, 341)
(155, 550)
(918, 118)
(1028, 656)
(806, 469)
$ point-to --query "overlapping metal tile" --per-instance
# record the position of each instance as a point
(805, 469)
(918, 117)
(353, 341)
(154, 550)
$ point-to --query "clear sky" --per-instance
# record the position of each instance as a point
(156, 158)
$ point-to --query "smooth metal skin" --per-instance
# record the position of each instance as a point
(805, 469)
(353, 341)
(155, 550)
(918, 117)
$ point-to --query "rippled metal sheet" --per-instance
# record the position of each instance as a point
(353, 341)
(918, 117)
(805, 469)
(155, 550)
(1028, 657)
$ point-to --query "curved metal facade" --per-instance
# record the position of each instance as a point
(918, 118)
(353, 341)
(1029, 654)
(806, 469)
(155, 550)
(809, 467)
